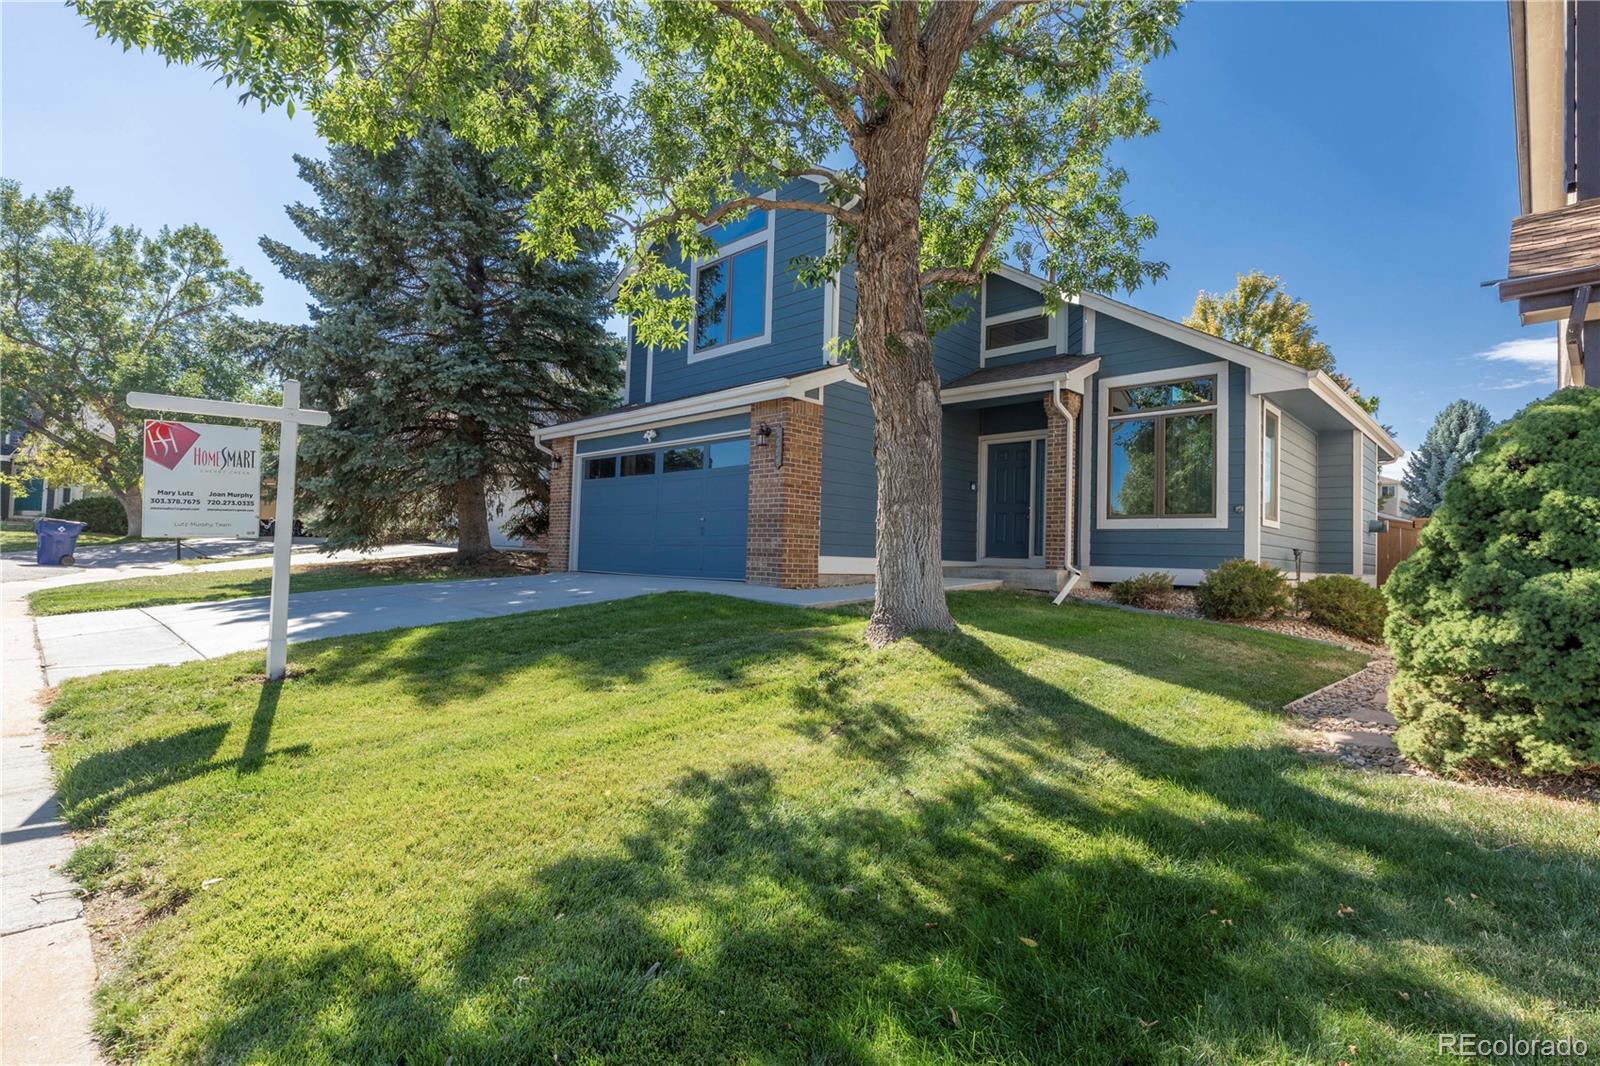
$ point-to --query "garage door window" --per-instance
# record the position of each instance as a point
(638, 463)
(729, 453)
(677, 460)
(598, 468)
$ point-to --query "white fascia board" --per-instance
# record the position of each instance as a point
(1073, 381)
(709, 403)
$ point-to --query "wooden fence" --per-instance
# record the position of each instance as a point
(1398, 540)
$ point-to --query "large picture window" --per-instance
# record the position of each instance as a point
(1163, 450)
(732, 288)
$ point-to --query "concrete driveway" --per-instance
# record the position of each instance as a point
(76, 645)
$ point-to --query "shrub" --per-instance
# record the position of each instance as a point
(1494, 621)
(1152, 591)
(1347, 604)
(1240, 588)
(103, 513)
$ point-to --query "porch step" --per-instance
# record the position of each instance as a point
(1034, 578)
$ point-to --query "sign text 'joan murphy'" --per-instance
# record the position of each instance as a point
(201, 480)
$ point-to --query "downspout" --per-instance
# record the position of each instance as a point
(1074, 575)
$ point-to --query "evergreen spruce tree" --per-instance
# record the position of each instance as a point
(1452, 441)
(439, 343)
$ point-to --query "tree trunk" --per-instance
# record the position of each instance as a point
(897, 360)
(132, 501)
(472, 520)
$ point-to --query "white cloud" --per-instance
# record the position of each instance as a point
(1526, 362)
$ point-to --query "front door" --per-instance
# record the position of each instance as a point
(1006, 507)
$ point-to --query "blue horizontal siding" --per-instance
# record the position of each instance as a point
(1369, 505)
(1011, 418)
(1297, 500)
(1335, 490)
(849, 494)
(959, 472)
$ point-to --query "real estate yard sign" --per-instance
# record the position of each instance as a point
(201, 480)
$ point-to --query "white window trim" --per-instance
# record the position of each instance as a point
(830, 298)
(1223, 512)
(1272, 410)
(766, 236)
(1035, 554)
(1052, 339)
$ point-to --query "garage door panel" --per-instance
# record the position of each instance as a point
(690, 520)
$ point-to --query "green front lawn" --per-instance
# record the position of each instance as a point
(689, 828)
(203, 584)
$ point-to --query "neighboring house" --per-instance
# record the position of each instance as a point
(1103, 438)
(1554, 272)
(39, 497)
(1392, 497)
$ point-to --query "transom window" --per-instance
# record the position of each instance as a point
(1163, 445)
(1017, 331)
(732, 288)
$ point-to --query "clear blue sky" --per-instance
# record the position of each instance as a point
(1361, 151)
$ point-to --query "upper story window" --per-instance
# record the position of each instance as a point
(733, 288)
(1163, 450)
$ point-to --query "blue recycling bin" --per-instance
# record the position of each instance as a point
(58, 539)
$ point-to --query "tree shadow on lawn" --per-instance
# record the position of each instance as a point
(1011, 912)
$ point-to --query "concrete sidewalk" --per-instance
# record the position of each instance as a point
(47, 969)
(77, 645)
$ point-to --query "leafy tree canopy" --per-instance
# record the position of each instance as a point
(94, 311)
(1260, 315)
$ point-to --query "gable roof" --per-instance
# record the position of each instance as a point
(1277, 373)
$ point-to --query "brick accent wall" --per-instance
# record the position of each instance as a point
(785, 502)
(558, 539)
(1059, 476)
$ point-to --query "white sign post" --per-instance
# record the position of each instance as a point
(289, 416)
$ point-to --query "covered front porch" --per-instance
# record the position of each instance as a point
(1010, 471)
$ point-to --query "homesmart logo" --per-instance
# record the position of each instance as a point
(168, 442)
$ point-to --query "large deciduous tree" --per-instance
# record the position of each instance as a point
(439, 341)
(1260, 315)
(1452, 442)
(960, 131)
(92, 311)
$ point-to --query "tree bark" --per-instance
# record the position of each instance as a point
(472, 520)
(132, 501)
(897, 360)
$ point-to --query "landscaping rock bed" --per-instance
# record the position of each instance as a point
(1349, 720)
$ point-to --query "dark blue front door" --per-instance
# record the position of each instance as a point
(1006, 508)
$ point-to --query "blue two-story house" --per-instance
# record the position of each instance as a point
(1101, 440)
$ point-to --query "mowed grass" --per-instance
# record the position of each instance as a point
(18, 536)
(692, 829)
(204, 585)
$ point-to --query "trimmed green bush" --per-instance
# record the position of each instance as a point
(1152, 591)
(1241, 589)
(103, 513)
(1347, 604)
(1495, 619)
